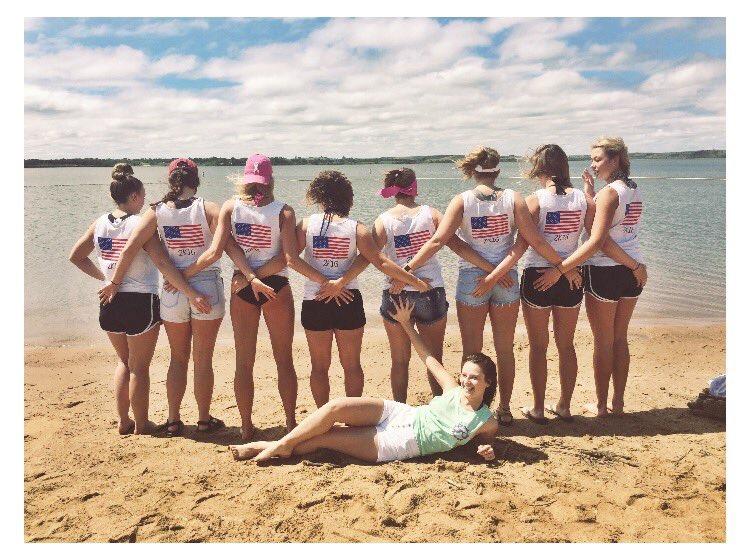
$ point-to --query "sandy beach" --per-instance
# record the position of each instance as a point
(657, 474)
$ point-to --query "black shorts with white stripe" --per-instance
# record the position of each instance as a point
(132, 313)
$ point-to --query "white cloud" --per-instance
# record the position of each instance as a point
(371, 87)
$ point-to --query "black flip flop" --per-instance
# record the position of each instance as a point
(500, 414)
(533, 418)
(211, 424)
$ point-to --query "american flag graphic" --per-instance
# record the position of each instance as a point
(562, 222)
(111, 247)
(184, 236)
(330, 247)
(409, 244)
(252, 235)
(489, 226)
(632, 213)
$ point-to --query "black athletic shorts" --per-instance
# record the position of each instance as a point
(429, 307)
(132, 313)
(276, 282)
(559, 295)
(326, 316)
(610, 284)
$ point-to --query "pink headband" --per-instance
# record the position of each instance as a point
(390, 191)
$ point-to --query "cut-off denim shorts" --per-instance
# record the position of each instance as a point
(498, 296)
(429, 307)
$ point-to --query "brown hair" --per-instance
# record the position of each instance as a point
(487, 157)
(332, 191)
(550, 160)
(183, 176)
(123, 183)
(401, 177)
(615, 147)
(489, 370)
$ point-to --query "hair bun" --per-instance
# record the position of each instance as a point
(119, 175)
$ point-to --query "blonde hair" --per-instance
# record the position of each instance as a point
(615, 146)
(487, 157)
(247, 190)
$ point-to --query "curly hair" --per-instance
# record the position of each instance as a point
(332, 191)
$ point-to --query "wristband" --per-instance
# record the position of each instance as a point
(407, 267)
(115, 283)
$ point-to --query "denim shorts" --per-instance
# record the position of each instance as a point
(498, 296)
(429, 307)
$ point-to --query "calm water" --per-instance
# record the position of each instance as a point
(683, 234)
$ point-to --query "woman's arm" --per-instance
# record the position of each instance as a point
(142, 234)
(445, 231)
(403, 316)
(79, 255)
(292, 249)
(366, 246)
(528, 229)
(220, 224)
(484, 438)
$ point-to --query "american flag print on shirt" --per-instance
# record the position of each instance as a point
(408, 244)
(330, 247)
(252, 235)
(489, 226)
(184, 236)
(562, 222)
(110, 248)
(632, 213)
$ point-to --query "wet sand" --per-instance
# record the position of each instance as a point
(657, 474)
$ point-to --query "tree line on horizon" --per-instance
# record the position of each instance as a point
(329, 161)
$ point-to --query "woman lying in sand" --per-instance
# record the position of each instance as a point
(380, 430)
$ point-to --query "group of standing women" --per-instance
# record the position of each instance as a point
(184, 237)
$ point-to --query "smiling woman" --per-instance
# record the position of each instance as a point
(379, 430)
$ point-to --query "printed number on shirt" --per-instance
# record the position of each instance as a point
(561, 237)
(629, 229)
(330, 263)
(185, 251)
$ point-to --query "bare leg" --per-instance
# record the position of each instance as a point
(204, 341)
(140, 352)
(400, 356)
(434, 335)
(471, 320)
(358, 442)
(319, 343)
(503, 319)
(122, 382)
(537, 328)
(245, 321)
(349, 344)
(602, 320)
(564, 324)
(279, 317)
(179, 335)
(353, 411)
(621, 353)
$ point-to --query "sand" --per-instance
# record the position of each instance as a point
(657, 474)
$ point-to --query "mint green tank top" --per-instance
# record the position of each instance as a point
(444, 424)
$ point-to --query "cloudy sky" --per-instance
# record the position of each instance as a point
(369, 87)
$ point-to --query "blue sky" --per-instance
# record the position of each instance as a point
(363, 87)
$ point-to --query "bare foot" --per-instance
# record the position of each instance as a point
(248, 450)
(275, 450)
(126, 427)
(536, 416)
(145, 429)
(618, 410)
(594, 410)
(247, 432)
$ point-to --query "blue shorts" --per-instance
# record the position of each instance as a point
(498, 296)
(429, 307)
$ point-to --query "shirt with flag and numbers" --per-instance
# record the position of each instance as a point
(257, 230)
(560, 223)
(330, 248)
(488, 226)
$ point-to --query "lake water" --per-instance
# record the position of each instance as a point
(683, 235)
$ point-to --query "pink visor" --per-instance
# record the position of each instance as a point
(390, 191)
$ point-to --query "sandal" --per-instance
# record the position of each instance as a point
(504, 417)
(177, 424)
(210, 425)
(541, 420)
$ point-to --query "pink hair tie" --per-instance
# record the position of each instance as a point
(390, 191)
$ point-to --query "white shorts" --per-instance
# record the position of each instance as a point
(395, 437)
(176, 308)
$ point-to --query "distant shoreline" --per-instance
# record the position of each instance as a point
(326, 161)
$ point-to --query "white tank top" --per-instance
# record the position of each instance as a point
(331, 252)
(257, 231)
(110, 237)
(488, 226)
(405, 235)
(626, 223)
(185, 233)
(560, 223)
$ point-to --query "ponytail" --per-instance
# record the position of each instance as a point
(182, 176)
